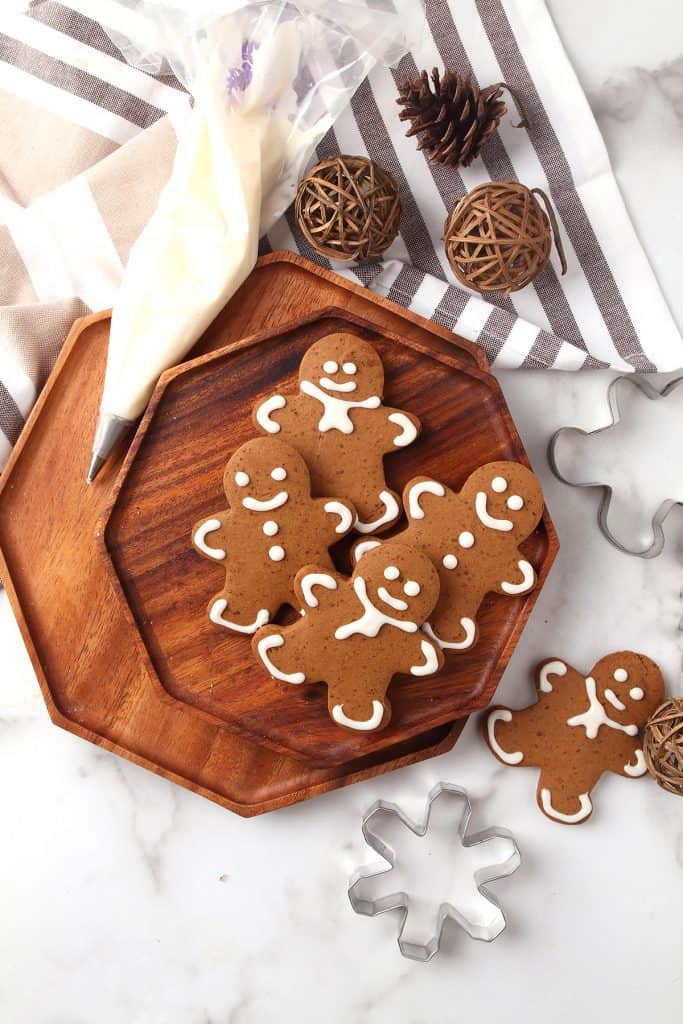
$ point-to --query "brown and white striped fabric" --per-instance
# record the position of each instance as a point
(87, 141)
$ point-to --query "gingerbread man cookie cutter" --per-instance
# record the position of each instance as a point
(477, 911)
(656, 547)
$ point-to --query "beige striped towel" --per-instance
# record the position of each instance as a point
(87, 141)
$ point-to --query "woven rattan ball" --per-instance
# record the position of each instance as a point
(498, 238)
(663, 745)
(348, 208)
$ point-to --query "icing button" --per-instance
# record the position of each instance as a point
(276, 553)
(466, 539)
(270, 528)
(450, 562)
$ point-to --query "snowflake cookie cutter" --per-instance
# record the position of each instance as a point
(657, 546)
(478, 912)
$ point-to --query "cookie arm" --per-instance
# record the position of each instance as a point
(209, 537)
(338, 518)
(518, 576)
(633, 759)
(313, 585)
(420, 656)
(400, 428)
(266, 411)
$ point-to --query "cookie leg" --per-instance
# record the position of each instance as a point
(356, 706)
(282, 654)
(245, 618)
(558, 803)
(379, 514)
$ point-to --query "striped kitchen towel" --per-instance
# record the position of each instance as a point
(87, 141)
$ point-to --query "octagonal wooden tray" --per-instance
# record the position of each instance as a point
(172, 477)
(90, 660)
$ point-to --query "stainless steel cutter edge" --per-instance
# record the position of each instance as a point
(662, 512)
(400, 900)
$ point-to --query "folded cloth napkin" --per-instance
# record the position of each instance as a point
(86, 143)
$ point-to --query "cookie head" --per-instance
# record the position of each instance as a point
(507, 498)
(344, 366)
(629, 686)
(264, 474)
(400, 582)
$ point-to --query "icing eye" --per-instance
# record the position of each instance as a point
(279, 473)
(412, 588)
(620, 675)
(636, 693)
(330, 366)
(514, 503)
(499, 484)
(242, 479)
(450, 562)
(391, 573)
(466, 539)
(349, 368)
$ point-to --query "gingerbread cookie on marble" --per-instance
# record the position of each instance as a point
(473, 538)
(579, 728)
(356, 633)
(272, 528)
(339, 424)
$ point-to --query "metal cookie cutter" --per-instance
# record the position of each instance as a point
(490, 854)
(657, 545)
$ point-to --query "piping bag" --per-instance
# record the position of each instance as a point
(268, 79)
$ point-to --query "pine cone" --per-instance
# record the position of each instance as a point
(455, 118)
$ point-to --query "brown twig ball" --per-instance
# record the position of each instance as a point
(663, 745)
(348, 208)
(498, 238)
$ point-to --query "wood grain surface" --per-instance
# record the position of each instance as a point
(92, 662)
(172, 478)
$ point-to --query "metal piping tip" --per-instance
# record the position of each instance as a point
(109, 430)
(96, 464)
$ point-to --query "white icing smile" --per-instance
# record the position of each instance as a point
(487, 520)
(331, 385)
(611, 696)
(393, 602)
(372, 619)
(254, 505)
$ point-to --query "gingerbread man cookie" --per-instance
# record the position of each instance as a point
(271, 529)
(473, 541)
(338, 423)
(356, 633)
(579, 728)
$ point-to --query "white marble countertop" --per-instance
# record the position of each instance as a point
(127, 899)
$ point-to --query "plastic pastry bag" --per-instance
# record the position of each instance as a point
(267, 79)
